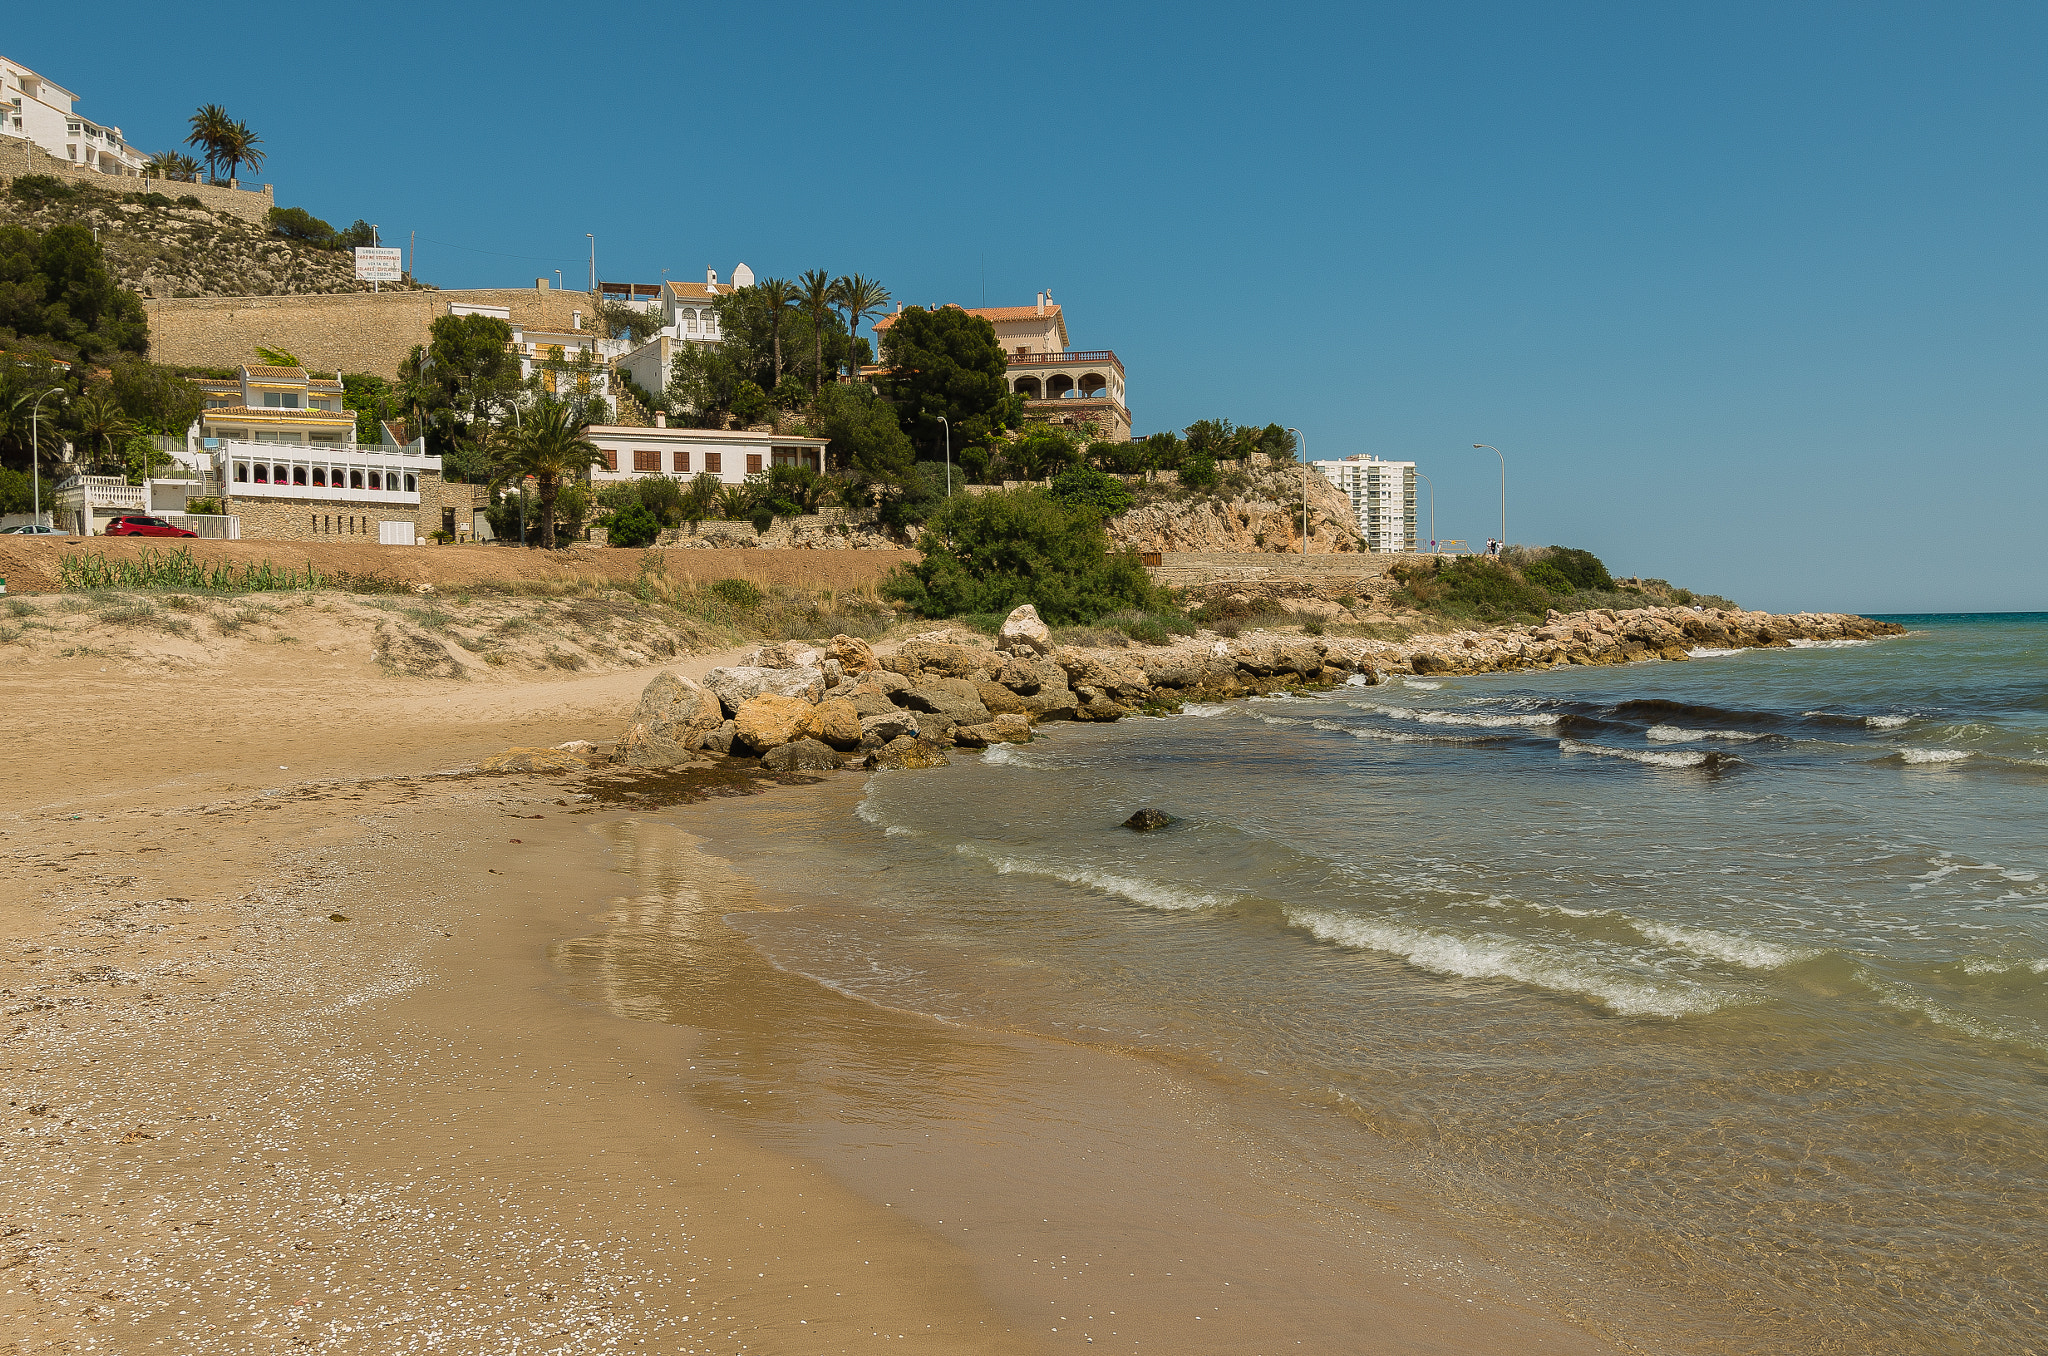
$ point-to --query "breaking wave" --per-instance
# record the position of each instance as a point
(1933, 755)
(1653, 757)
(1490, 956)
(1151, 894)
(1709, 652)
(1885, 722)
(1427, 717)
(1751, 953)
(1673, 734)
(1206, 710)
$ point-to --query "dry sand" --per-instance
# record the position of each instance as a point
(315, 1038)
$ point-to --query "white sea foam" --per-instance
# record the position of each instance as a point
(1933, 755)
(1151, 894)
(1751, 953)
(1655, 758)
(1420, 684)
(866, 810)
(1803, 644)
(1491, 956)
(1429, 717)
(1673, 734)
(1356, 680)
(1982, 965)
(1206, 710)
(899, 831)
(1885, 722)
(1009, 755)
(1709, 652)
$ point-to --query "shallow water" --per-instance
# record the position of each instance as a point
(1723, 985)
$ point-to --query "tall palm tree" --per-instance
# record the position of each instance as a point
(778, 294)
(550, 446)
(238, 148)
(98, 419)
(211, 126)
(860, 298)
(818, 294)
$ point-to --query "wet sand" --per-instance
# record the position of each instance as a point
(321, 1044)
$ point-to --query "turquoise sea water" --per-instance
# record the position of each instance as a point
(1722, 984)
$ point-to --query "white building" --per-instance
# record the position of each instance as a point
(686, 453)
(1382, 494)
(688, 316)
(44, 112)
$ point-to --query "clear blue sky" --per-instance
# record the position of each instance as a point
(1750, 294)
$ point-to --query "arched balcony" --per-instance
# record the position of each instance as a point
(1027, 387)
(1094, 385)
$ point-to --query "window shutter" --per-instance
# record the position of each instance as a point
(714, 462)
(682, 456)
(611, 461)
(753, 463)
(647, 461)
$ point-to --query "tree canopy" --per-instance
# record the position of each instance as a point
(866, 439)
(991, 552)
(55, 284)
(947, 363)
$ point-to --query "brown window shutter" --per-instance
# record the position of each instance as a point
(611, 461)
(682, 462)
(714, 462)
(753, 463)
(647, 461)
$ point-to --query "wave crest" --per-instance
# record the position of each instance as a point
(1150, 893)
(1651, 757)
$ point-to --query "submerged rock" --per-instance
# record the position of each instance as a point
(1146, 820)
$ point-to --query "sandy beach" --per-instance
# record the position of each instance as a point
(318, 1037)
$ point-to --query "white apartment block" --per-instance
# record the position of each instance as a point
(1382, 494)
(45, 113)
(686, 453)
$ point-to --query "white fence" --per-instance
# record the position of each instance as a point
(217, 526)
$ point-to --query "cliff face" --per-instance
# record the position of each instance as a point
(160, 249)
(1255, 509)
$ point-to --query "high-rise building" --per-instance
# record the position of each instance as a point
(1382, 494)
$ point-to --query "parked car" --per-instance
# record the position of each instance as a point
(141, 525)
(33, 530)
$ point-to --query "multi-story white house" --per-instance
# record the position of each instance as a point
(1382, 494)
(45, 113)
(688, 316)
(686, 453)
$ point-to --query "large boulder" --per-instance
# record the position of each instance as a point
(735, 687)
(670, 724)
(834, 721)
(536, 760)
(790, 654)
(908, 751)
(770, 720)
(890, 727)
(800, 755)
(1024, 633)
(999, 699)
(1004, 729)
(956, 698)
(933, 658)
(1114, 674)
(854, 654)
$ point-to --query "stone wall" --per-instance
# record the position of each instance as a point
(1111, 424)
(353, 520)
(346, 332)
(25, 157)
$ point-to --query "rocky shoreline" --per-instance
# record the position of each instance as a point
(802, 708)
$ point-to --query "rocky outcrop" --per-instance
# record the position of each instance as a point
(1257, 508)
(936, 691)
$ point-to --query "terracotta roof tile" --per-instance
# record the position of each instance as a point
(233, 413)
(296, 373)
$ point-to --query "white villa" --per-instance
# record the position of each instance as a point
(686, 453)
(45, 113)
(1382, 494)
(687, 317)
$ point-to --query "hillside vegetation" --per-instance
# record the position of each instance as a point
(159, 246)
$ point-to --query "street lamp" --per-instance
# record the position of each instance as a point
(1503, 489)
(1432, 509)
(35, 475)
(592, 238)
(949, 456)
(1304, 487)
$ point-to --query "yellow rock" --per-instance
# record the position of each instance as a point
(834, 721)
(770, 719)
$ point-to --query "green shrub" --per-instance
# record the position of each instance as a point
(1473, 587)
(1546, 574)
(1582, 568)
(742, 595)
(296, 223)
(1086, 487)
(992, 552)
(33, 190)
(1198, 473)
(634, 525)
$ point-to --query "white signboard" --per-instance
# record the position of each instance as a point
(380, 265)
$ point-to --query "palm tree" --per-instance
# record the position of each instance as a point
(211, 126)
(172, 165)
(860, 298)
(238, 148)
(550, 446)
(817, 294)
(778, 294)
(99, 419)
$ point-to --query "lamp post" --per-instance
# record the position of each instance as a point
(1489, 447)
(949, 456)
(1432, 509)
(1304, 487)
(592, 238)
(35, 443)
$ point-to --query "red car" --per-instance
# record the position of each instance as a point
(141, 525)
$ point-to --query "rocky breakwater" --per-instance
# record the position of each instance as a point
(804, 708)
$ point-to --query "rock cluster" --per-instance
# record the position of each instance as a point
(1257, 508)
(800, 708)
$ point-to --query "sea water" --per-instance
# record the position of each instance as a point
(1722, 984)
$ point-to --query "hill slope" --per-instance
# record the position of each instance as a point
(1257, 508)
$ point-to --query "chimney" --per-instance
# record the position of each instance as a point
(576, 320)
(711, 277)
(1041, 303)
(660, 419)
(540, 284)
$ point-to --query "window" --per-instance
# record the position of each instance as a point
(298, 475)
(280, 400)
(682, 462)
(753, 463)
(278, 475)
(611, 461)
(714, 462)
(647, 461)
(355, 482)
(319, 476)
(412, 484)
(262, 475)
(242, 471)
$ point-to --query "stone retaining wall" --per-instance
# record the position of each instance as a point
(353, 520)
(25, 157)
